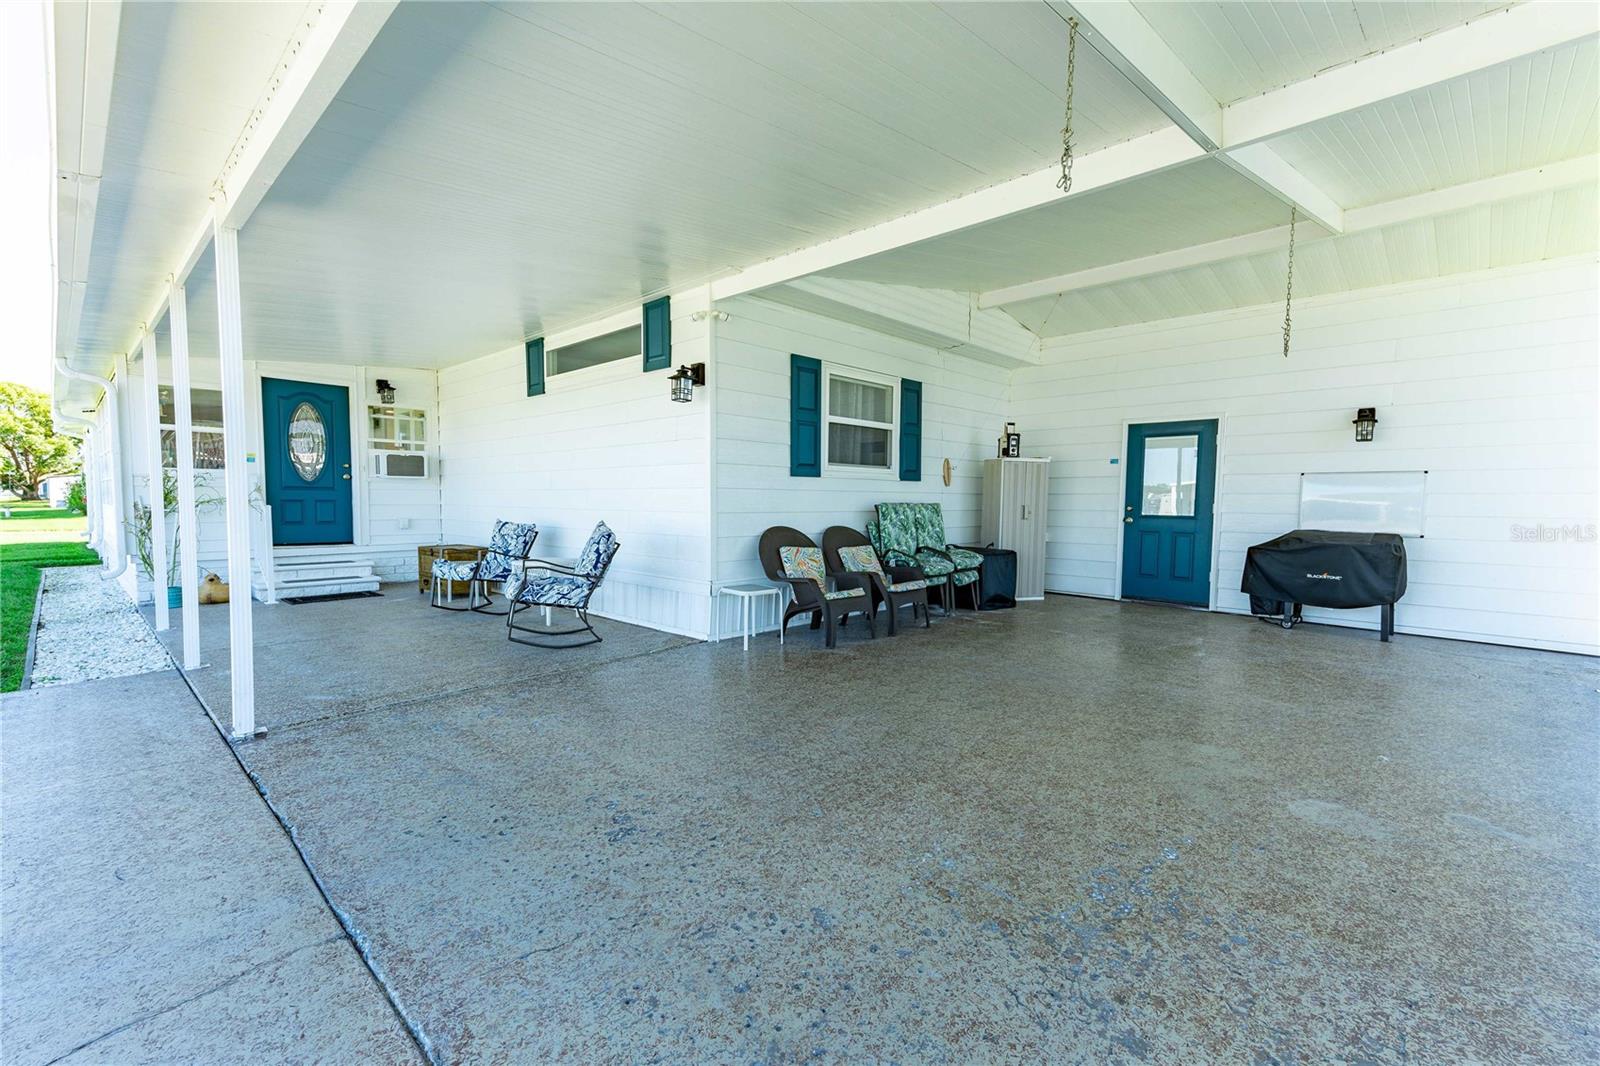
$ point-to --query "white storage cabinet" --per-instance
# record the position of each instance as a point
(1016, 509)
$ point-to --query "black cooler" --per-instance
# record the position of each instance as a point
(1324, 568)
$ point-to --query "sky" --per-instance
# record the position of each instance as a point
(25, 193)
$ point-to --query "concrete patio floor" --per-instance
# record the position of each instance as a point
(1075, 832)
(151, 908)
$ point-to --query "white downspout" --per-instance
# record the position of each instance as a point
(119, 555)
(84, 431)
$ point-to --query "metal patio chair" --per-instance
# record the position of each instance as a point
(509, 547)
(562, 586)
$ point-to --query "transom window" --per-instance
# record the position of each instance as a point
(205, 417)
(860, 412)
(607, 348)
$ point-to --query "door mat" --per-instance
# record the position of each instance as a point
(328, 598)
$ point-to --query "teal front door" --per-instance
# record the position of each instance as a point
(306, 433)
(1166, 512)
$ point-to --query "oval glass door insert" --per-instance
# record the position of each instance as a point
(308, 442)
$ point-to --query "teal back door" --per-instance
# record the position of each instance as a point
(306, 432)
(1166, 514)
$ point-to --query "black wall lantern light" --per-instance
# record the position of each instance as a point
(1366, 420)
(385, 391)
(684, 381)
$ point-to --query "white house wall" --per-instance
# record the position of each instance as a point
(963, 403)
(395, 514)
(1487, 381)
(603, 443)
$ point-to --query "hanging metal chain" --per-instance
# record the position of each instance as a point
(1064, 183)
(1288, 289)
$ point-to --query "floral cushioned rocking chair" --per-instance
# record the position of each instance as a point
(508, 548)
(550, 584)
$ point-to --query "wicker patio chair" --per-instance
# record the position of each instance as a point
(789, 555)
(850, 550)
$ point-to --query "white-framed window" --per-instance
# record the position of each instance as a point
(205, 418)
(860, 420)
(398, 440)
(596, 351)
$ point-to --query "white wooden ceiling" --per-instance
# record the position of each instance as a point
(1241, 49)
(1195, 203)
(1547, 225)
(1541, 109)
(1537, 110)
(187, 78)
(493, 172)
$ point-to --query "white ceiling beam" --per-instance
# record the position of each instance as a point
(319, 61)
(300, 92)
(1358, 219)
(1264, 166)
(1116, 30)
(1496, 38)
(937, 318)
(1097, 170)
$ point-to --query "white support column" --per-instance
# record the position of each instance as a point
(230, 347)
(157, 491)
(188, 518)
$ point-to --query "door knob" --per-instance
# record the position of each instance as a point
(347, 478)
(1128, 520)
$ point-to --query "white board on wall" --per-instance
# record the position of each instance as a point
(1371, 501)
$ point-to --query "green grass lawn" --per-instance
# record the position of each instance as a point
(35, 536)
(37, 520)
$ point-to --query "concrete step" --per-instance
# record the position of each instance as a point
(318, 576)
(300, 570)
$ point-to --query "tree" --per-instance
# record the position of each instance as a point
(30, 447)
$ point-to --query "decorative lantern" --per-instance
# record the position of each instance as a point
(1366, 419)
(684, 381)
(385, 391)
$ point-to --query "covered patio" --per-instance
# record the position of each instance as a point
(1048, 834)
(1103, 296)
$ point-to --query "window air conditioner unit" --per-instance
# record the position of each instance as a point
(399, 464)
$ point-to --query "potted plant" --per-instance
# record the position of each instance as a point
(144, 544)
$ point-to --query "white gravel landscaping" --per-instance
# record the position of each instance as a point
(89, 629)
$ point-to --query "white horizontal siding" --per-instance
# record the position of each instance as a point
(399, 513)
(1487, 381)
(963, 404)
(605, 443)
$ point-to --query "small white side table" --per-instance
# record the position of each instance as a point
(747, 594)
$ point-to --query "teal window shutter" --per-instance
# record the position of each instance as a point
(910, 430)
(658, 334)
(535, 355)
(805, 416)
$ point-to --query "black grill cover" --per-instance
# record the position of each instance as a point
(1325, 569)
